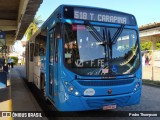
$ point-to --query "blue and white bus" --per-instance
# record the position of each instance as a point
(86, 58)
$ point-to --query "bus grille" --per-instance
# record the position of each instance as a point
(98, 104)
(105, 83)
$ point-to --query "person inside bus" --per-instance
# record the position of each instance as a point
(74, 54)
(41, 51)
(67, 53)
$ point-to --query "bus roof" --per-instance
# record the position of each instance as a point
(92, 7)
(93, 14)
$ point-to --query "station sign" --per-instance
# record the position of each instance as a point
(2, 38)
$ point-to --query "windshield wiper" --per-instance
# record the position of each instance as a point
(101, 39)
(104, 44)
(117, 34)
(114, 39)
(94, 32)
(109, 43)
(106, 38)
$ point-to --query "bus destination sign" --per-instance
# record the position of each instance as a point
(99, 16)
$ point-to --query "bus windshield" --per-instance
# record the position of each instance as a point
(86, 54)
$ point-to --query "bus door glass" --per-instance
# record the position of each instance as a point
(51, 62)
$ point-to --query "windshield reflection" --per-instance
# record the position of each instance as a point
(86, 54)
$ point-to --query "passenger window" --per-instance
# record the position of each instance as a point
(31, 51)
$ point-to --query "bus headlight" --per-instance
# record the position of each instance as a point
(71, 89)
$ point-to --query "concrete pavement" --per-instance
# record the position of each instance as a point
(17, 97)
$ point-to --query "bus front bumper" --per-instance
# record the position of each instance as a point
(75, 103)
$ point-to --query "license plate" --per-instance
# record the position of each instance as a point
(109, 107)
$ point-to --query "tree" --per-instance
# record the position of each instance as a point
(146, 46)
(158, 46)
(33, 27)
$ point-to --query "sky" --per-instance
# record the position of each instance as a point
(145, 11)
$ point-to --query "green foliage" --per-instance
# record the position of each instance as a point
(158, 46)
(33, 27)
(15, 59)
(146, 46)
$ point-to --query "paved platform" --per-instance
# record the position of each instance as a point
(151, 73)
(17, 97)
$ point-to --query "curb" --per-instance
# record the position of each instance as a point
(150, 84)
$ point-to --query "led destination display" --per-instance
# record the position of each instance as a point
(99, 15)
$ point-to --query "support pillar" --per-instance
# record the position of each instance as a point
(152, 57)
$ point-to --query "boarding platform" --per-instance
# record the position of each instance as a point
(16, 96)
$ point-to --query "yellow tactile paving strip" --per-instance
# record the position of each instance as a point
(6, 104)
(17, 97)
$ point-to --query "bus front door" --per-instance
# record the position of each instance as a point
(51, 63)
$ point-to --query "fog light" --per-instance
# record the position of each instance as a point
(137, 85)
(76, 93)
(66, 83)
(70, 89)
